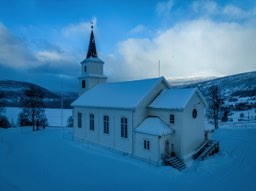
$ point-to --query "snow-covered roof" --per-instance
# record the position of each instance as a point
(117, 95)
(92, 59)
(154, 126)
(173, 99)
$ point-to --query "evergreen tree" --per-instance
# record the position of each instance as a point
(225, 113)
(4, 122)
(24, 118)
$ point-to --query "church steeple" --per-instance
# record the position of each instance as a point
(92, 52)
(91, 68)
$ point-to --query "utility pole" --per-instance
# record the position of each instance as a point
(61, 103)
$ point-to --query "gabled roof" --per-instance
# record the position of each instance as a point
(123, 95)
(154, 126)
(175, 99)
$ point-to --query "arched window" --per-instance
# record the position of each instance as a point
(124, 127)
(83, 84)
(85, 69)
(106, 124)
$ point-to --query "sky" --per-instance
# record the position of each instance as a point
(44, 41)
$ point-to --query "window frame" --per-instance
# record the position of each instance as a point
(172, 119)
(124, 127)
(79, 120)
(106, 124)
(92, 121)
(146, 144)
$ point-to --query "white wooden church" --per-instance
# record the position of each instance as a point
(145, 119)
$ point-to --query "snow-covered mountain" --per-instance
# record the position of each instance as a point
(238, 85)
(188, 81)
(241, 85)
(238, 92)
(13, 91)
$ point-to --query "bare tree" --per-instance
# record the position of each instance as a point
(214, 105)
(33, 108)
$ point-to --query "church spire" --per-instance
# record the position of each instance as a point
(92, 52)
(91, 68)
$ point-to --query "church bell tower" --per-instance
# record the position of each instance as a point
(91, 68)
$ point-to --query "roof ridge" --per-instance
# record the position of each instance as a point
(160, 79)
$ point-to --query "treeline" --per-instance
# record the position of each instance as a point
(33, 110)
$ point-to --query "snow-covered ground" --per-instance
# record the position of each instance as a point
(246, 115)
(56, 117)
(49, 160)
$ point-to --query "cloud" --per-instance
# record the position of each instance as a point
(43, 64)
(164, 7)
(78, 29)
(71, 38)
(229, 11)
(193, 48)
(137, 29)
(212, 40)
(13, 50)
(206, 7)
(238, 13)
(45, 56)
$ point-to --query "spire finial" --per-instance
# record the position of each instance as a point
(91, 25)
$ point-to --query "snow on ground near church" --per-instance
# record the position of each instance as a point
(49, 160)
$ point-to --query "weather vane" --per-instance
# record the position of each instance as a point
(91, 25)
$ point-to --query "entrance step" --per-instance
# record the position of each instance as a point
(175, 162)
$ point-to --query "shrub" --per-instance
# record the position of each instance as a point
(4, 122)
(70, 121)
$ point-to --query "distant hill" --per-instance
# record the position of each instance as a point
(236, 90)
(241, 85)
(13, 91)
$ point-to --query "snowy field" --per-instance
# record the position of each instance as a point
(49, 160)
(246, 115)
(56, 117)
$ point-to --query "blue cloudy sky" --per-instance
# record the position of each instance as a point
(43, 41)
